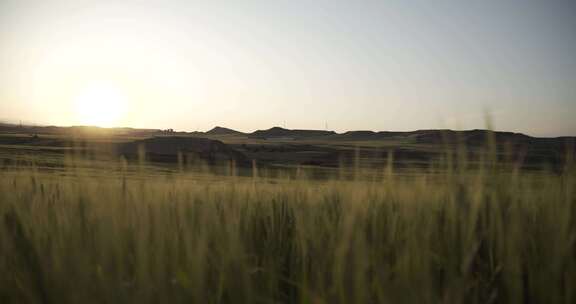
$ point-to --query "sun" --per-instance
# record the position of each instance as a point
(102, 105)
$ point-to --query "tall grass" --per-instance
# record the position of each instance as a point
(459, 236)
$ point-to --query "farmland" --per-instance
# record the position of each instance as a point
(97, 228)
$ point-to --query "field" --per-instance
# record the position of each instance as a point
(100, 229)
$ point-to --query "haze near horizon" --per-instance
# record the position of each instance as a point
(376, 65)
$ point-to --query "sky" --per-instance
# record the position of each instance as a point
(301, 64)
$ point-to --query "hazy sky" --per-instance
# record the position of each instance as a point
(377, 65)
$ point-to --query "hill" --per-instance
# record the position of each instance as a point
(169, 148)
(223, 131)
(277, 132)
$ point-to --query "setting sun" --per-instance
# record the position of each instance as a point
(101, 105)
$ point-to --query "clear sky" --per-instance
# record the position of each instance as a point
(355, 65)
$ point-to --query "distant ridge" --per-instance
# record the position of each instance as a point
(471, 137)
(278, 132)
(423, 136)
(223, 131)
(435, 136)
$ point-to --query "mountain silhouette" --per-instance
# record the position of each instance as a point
(277, 132)
(223, 131)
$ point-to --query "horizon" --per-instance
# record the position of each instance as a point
(354, 65)
(272, 127)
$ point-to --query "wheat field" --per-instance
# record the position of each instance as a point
(458, 234)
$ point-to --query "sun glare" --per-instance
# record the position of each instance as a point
(100, 105)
